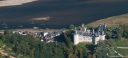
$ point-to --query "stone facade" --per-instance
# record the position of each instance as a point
(83, 34)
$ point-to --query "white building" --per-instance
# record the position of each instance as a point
(82, 34)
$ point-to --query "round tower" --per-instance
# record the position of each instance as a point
(76, 39)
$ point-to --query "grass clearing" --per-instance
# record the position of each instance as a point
(121, 43)
(120, 46)
(123, 52)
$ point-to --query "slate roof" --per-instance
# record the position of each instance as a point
(99, 31)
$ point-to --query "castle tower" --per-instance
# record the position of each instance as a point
(99, 29)
(93, 38)
(102, 35)
(82, 25)
(76, 39)
(105, 25)
(93, 31)
(85, 29)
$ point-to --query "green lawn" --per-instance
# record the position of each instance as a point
(121, 43)
(123, 52)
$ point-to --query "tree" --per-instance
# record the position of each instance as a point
(30, 47)
(94, 56)
(6, 32)
(101, 50)
(125, 28)
(108, 35)
(31, 53)
(80, 53)
(72, 56)
(0, 55)
(85, 52)
(89, 55)
(71, 27)
(108, 32)
(125, 34)
(1, 43)
(119, 33)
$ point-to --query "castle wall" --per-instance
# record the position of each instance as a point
(79, 38)
(102, 37)
(88, 39)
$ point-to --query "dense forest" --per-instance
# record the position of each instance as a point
(21, 46)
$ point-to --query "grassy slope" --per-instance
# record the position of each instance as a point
(110, 21)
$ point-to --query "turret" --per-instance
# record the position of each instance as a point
(99, 29)
(75, 31)
(100, 24)
(103, 33)
(76, 37)
(85, 29)
(93, 31)
(105, 25)
(83, 25)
